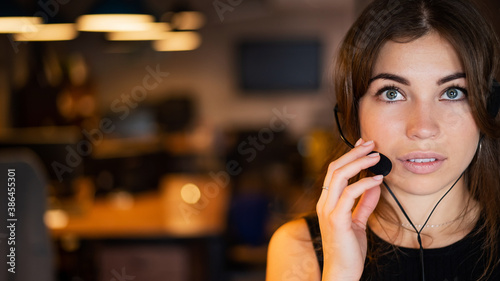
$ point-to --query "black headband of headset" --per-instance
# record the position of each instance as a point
(493, 105)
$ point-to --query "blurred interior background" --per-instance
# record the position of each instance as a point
(171, 145)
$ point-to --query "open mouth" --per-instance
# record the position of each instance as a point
(422, 160)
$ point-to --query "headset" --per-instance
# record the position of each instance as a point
(384, 166)
(493, 103)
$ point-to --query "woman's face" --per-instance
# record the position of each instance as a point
(417, 113)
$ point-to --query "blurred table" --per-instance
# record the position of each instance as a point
(152, 214)
(168, 235)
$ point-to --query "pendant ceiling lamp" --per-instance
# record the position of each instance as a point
(155, 31)
(185, 20)
(178, 41)
(55, 29)
(49, 32)
(183, 17)
(14, 20)
(115, 15)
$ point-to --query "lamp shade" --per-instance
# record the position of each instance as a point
(115, 15)
(178, 41)
(49, 32)
(14, 20)
(184, 17)
(155, 31)
(188, 20)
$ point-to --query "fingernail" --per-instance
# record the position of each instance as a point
(358, 142)
(373, 155)
(378, 177)
(368, 143)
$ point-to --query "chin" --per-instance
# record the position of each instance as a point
(420, 185)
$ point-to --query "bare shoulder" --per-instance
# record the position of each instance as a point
(294, 230)
(291, 254)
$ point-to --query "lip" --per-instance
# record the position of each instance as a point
(422, 162)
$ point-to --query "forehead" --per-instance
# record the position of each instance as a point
(429, 54)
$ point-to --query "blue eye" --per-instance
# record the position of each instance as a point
(391, 94)
(454, 93)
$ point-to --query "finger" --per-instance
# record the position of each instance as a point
(343, 209)
(362, 149)
(323, 196)
(341, 176)
(366, 205)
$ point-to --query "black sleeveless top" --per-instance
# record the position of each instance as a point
(463, 260)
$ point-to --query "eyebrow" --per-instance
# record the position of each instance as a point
(388, 76)
(451, 77)
(404, 81)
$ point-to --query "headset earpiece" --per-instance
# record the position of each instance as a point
(493, 104)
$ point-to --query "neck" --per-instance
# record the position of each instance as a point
(452, 218)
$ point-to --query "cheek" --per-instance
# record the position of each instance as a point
(457, 120)
(459, 126)
(365, 122)
(377, 128)
(383, 133)
(465, 133)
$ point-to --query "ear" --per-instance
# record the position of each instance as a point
(493, 104)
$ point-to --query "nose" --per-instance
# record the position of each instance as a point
(422, 122)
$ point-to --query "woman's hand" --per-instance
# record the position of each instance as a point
(343, 229)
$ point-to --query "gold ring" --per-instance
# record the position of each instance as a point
(325, 187)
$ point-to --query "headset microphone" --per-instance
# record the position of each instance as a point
(383, 167)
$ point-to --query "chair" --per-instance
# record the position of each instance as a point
(33, 249)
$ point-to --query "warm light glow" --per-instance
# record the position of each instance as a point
(18, 24)
(155, 31)
(49, 32)
(178, 41)
(188, 20)
(122, 200)
(190, 193)
(114, 22)
(56, 219)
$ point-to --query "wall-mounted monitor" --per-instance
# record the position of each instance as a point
(279, 66)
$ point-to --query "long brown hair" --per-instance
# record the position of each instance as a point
(461, 23)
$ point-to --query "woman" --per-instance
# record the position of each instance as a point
(414, 82)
